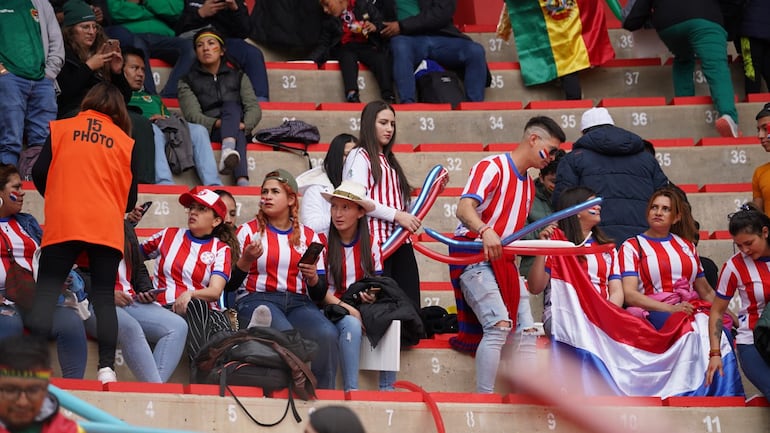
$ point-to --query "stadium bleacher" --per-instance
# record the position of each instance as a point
(637, 90)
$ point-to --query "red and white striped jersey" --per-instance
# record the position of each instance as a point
(22, 246)
(600, 267)
(276, 270)
(184, 262)
(661, 262)
(351, 268)
(751, 279)
(504, 195)
(123, 281)
(387, 192)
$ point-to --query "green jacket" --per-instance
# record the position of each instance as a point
(149, 104)
(151, 16)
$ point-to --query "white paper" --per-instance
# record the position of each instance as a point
(387, 355)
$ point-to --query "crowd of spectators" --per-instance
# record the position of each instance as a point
(92, 66)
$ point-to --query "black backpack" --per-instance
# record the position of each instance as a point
(261, 357)
(437, 320)
(762, 335)
(440, 87)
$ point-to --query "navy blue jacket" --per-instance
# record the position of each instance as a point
(612, 162)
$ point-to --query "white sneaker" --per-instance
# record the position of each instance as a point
(726, 126)
(229, 159)
(261, 317)
(106, 375)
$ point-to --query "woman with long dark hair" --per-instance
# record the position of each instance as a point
(747, 273)
(86, 173)
(313, 208)
(373, 164)
(581, 228)
(663, 259)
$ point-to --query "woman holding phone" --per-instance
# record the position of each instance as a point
(193, 265)
(89, 58)
(271, 272)
(373, 164)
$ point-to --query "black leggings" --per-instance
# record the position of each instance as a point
(55, 264)
(402, 267)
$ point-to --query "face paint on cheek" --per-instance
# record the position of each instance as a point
(542, 153)
(13, 196)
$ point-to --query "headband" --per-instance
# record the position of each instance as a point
(6, 371)
(211, 35)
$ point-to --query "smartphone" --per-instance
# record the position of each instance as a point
(146, 206)
(373, 290)
(154, 292)
(111, 46)
(312, 253)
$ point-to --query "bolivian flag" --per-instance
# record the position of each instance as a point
(558, 37)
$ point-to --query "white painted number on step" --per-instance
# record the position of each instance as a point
(712, 424)
(431, 301)
(497, 82)
(495, 44)
(470, 419)
(288, 81)
(632, 78)
(630, 422)
(626, 41)
(568, 121)
(150, 410)
(664, 159)
(698, 77)
(361, 83)
(390, 413)
(435, 365)
(496, 122)
(738, 203)
(639, 119)
(355, 123)
(232, 412)
(251, 163)
(156, 78)
(119, 357)
(427, 124)
(454, 164)
(286, 119)
(711, 116)
(450, 210)
(238, 209)
(738, 157)
(161, 208)
(316, 162)
(551, 419)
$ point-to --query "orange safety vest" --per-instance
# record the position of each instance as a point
(88, 181)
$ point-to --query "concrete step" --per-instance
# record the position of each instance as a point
(407, 412)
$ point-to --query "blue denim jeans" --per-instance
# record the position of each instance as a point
(450, 52)
(173, 50)
(482, 294)
(293, 311)
(26, 107)
(203, 156)
(141, 324)
(349, 329)
(755, 368)
(252, 62)
(67, 329)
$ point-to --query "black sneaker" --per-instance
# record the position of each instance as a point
(353, 97)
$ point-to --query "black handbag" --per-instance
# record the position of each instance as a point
(335, 312)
